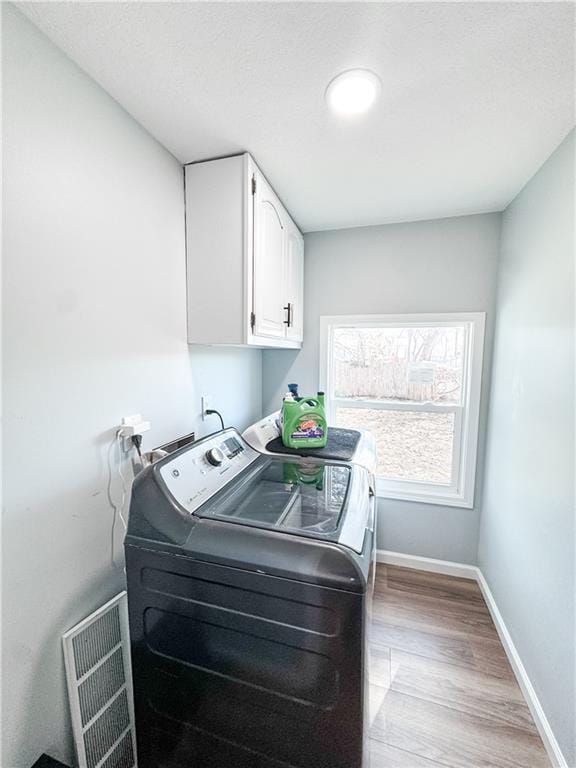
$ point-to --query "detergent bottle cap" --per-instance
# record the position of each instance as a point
(293, 388)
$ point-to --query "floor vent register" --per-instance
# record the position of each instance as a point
(97, 660)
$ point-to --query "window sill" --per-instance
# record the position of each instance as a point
(425, 497)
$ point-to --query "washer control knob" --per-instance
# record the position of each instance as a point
(215, 457)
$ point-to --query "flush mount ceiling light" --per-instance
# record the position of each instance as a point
(353, 92)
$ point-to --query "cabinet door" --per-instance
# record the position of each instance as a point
(268, 262)
(294, 283)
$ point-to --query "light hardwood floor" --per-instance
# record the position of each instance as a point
(442, 691)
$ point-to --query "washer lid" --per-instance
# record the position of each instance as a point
(296, 497)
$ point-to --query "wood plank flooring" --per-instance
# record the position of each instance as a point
(442, 691)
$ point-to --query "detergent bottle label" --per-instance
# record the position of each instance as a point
(308, 427)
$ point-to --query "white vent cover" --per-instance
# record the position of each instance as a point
(98, 672)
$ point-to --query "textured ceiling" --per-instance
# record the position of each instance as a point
(475, 95)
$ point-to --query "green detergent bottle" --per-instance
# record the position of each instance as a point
(304, 422)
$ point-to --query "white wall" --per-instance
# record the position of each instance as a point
(92, 205)
(447, 265)
(527, 533)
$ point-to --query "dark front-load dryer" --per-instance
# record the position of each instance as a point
(249, 589)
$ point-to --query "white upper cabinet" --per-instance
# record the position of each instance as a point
(294, 279)
(269, 257)
(245, 258)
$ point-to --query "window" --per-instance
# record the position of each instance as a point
(414, 382)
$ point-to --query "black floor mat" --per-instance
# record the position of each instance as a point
(341, 446)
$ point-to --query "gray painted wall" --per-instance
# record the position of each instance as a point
(526, 548)
(92, 202)
(447, 265)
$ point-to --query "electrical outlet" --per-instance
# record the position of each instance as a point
(206, 402)
(133, 425)
(129, 428)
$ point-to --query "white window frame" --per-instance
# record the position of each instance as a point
(466, 415)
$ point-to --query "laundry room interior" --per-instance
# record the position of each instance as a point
(288, 434)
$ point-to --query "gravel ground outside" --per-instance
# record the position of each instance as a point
(411, 445)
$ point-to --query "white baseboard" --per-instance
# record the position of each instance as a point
(461, 570)
(544, 728)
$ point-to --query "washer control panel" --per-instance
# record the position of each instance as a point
(199, 472)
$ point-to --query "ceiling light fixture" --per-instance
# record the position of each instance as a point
(353, 92)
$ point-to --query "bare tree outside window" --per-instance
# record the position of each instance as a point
(390, 363)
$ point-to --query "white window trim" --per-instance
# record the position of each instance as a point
(464, 468)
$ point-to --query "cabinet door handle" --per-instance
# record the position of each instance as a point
(288, 309)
